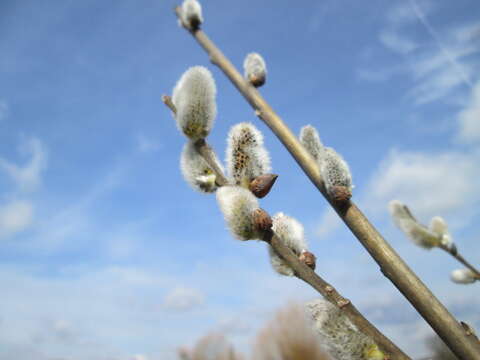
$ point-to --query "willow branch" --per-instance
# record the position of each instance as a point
(391, 265)
(454, 252)
(304, 272)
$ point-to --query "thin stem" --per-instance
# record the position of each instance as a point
(306, 274)
(391, 265)
(454, 252)
(302, 271)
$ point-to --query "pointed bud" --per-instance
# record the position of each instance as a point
(404, 220)
(463, 276)
(308, 259)
(191, 14)
(238, 205)
(261, 185)
(262, 220)
(290, 232)
(255, 69)
(342, 338)
(195, 170)
(247, 158)
(336, 173)
(311, 141)
(194, 98)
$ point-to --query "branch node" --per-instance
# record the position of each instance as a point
(343, 302)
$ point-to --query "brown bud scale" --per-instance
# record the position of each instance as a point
(261, 185)
(262, 220)
(340, 194)
(308, 259)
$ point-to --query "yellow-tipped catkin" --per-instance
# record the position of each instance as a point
(311, 141)
(342, 339)
(291, 233)
(246, 157)
(194, 99)
(416, 232)
(196, 172)
(237, 205)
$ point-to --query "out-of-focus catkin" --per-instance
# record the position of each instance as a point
(342, 339)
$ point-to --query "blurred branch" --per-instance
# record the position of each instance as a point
(454, 252)
(391, 265)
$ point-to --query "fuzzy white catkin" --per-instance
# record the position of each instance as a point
(335, 170)
(237, 205)
(342, 339)
(419, 234)
(311, 141)
(463, 276)
(246, 157)
(194, 97)
(191, 13)
(195, 170)
(291, 233)
(254, 67)
(439, 226)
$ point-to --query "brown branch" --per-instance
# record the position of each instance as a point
(454, 252)
(392, 266)
(305, 273)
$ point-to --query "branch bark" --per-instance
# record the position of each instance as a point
(391, 265)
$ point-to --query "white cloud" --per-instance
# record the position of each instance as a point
(431, 184)
(396, 42)
(15, 217)
(3, 109)
(183, 299)
(329, 222)
(403, 13)
(469, 118)
(27, 177)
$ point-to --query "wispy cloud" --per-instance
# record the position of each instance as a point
(449, 56)
(469, 118)
(431, 183)
(28, 176)
(396, 42)
(437, 66)
(15, 216)
(3, 109)
(183, 299)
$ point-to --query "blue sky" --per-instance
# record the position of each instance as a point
(105, 252)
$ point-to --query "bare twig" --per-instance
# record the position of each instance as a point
(392, 266)
(454, 252)
(305, 273)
